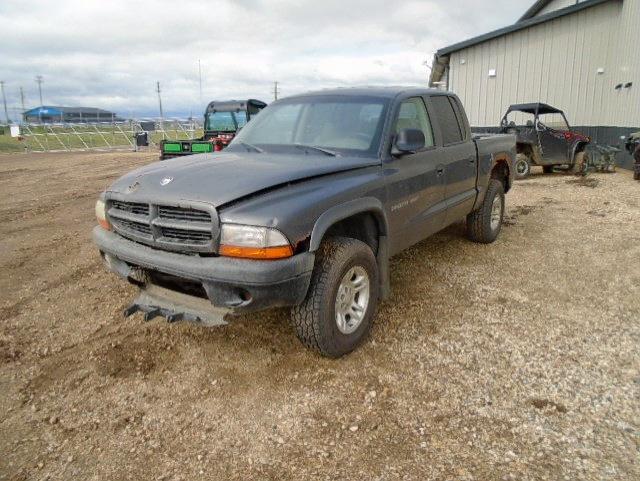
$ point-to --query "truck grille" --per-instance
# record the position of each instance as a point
(164, 226)
(180, 213)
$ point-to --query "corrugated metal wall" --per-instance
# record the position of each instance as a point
(557, 62)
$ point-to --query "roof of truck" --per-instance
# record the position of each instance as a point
(385, 92)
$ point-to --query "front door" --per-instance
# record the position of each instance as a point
(551, 129)
(415, 182)
(553, 146)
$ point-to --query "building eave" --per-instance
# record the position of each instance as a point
(521, 25)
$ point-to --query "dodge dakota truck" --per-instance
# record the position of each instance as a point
(304, 208)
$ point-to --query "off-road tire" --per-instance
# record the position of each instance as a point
(479, 227)
(547, 169)
(579, 164)
(522, 167)
(315, 319)
(636, 176)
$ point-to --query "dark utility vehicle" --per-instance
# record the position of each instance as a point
(304, 209)
(633, 147)
(544, 138)
(222, 120)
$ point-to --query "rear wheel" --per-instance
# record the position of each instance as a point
(337, 314)
(523, 168)
(484, 224)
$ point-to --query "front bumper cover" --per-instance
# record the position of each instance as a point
(239, 285)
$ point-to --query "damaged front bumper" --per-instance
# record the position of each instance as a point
(227, 285)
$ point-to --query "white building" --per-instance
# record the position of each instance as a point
(582, 57)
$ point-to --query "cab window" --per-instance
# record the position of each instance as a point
(413, 115)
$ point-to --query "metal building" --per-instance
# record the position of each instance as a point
(49, 114)
(582, 57)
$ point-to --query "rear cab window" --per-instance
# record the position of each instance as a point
(451, 124)
(413, 115)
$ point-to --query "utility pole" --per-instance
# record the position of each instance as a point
(159, 100)
(22, 99)
(200, 80)
(161, 113)
(4, 101)
(39, 81)
(275, 90)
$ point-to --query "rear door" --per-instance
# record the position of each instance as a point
(460, 157)
(415, 181)
(553, 145)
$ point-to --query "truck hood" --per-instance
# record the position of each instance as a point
(223, 177)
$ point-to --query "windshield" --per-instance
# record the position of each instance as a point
(329, 122)
(519, 119)
(226, 121)
(554, 121)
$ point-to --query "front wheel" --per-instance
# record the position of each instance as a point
(522, 167)
(484, 224)
(337, 314)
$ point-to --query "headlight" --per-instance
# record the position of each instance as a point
(252, 242)
(101, 215)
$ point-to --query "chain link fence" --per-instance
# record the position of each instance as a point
(65, 137)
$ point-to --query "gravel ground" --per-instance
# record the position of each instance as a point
(517, 360)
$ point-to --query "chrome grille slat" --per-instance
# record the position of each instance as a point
(195, 226)
(135, 227)
(164, 226)
(181, 213)
(131, 207)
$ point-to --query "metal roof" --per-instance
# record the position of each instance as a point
(525, 22)
(56, 110)
(535, 8)
(233, 105)
(533, 108)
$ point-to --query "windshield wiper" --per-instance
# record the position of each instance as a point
(250, 147)
(319, 149)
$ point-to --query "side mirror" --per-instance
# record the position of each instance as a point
(409, 141)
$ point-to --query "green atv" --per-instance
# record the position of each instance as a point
(222, 120)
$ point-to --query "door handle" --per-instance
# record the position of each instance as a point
(440, 170)
(472, 160)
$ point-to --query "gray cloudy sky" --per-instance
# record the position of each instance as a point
(109, 53)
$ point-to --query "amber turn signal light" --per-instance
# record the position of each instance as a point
(267, 253)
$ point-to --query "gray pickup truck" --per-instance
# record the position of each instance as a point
(304, 209)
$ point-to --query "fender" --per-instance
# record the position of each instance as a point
(509, 160)
(358, 206)
(483, 178)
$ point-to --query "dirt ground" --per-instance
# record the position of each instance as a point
(516, 360)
